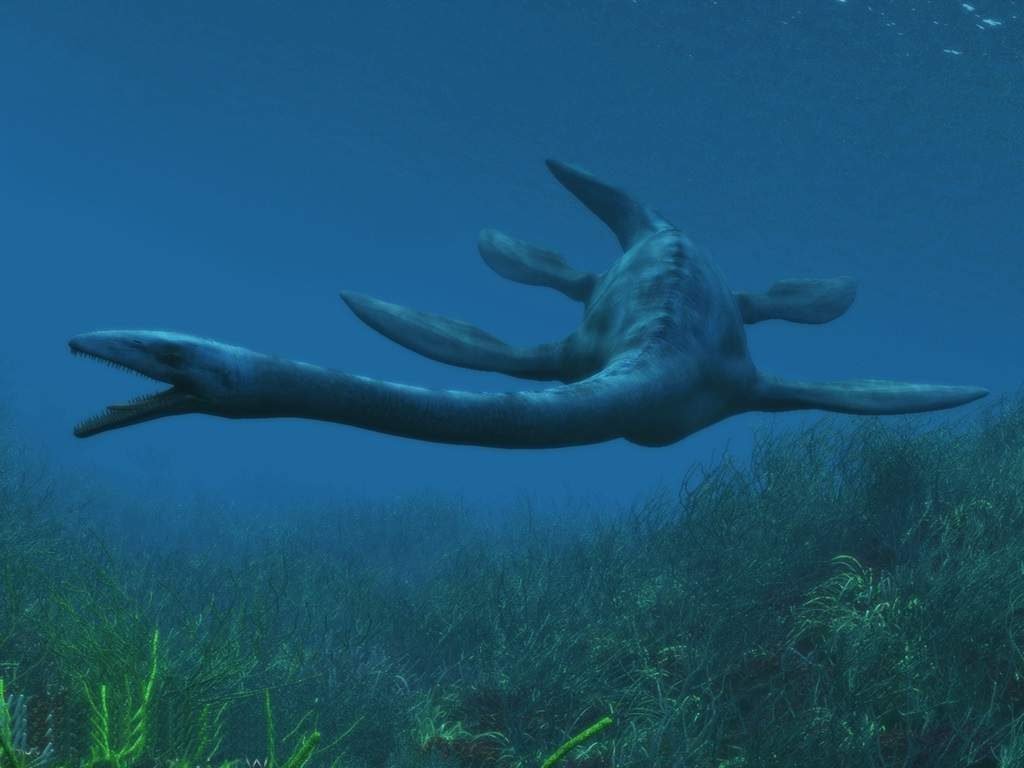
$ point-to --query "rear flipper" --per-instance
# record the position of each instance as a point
(799, 301)
(454, 341)
(525, 263)
(861, 396)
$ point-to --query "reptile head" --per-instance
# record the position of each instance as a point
(205, 375)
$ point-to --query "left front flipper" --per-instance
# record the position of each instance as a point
(456, 342)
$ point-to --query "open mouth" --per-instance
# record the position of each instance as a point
(136, 410)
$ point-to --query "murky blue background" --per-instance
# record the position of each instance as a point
(224, 169)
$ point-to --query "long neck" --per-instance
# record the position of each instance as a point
(574, 414)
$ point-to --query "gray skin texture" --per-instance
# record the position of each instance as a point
(661, 352)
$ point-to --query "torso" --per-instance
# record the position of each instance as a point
(664, 315)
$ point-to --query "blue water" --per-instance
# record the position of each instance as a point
(225, 169)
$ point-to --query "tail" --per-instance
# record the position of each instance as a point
(860, 396)
(629, 220)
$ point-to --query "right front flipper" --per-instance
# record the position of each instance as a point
(455, 342)
(865, 397)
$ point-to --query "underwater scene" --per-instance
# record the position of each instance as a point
(512, 384)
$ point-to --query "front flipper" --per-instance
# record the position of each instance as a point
(869, 397)
(454, 341)
(525, 263)
(799, 301)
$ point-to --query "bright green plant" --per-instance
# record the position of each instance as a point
(576, 740)
(307, 742)
(120, 744)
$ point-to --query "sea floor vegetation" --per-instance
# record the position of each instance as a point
(853, 595)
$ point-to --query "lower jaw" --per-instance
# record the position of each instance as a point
(143, 409)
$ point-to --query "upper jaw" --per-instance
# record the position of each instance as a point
(133, 351)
